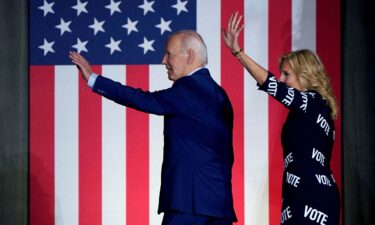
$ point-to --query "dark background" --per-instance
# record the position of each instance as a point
(358, 94)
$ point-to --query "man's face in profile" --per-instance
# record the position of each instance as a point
(175, 59)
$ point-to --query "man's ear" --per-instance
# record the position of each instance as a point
(191, 56)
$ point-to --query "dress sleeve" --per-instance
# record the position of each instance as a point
(292, 98)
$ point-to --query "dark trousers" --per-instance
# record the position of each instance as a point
(179, 218)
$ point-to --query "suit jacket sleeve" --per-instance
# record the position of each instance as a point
(165, 102)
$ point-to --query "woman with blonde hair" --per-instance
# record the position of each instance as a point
(310, 194)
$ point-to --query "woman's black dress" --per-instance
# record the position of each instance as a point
(310, 194)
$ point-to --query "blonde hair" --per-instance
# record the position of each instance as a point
(312, 75)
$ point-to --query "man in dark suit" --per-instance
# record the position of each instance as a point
(198, 122)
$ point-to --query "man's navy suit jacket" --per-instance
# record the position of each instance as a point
(198, 149)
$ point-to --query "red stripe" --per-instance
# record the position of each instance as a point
(137, 155)
(232, 80)
(42, 135)
(90, 146)
(328, 47)
(279, 42)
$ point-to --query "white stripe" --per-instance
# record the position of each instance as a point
(209, 27)
(304, 24)
(113, 154)
(66, 145)
(256, 116)
(158, 81)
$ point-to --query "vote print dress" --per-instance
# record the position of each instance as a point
(309, 191)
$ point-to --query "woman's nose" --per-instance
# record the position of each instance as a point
(282, 78)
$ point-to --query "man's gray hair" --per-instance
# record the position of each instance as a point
(191, 39)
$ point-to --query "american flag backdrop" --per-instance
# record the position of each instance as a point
(93, 162)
